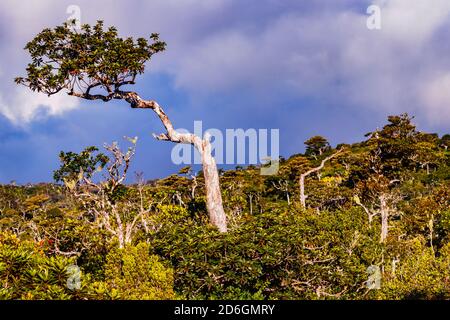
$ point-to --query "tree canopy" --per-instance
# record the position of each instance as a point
(86, 60)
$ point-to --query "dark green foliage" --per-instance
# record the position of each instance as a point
(445, 141)
(316, 146)
(62, 58)
(27, 273)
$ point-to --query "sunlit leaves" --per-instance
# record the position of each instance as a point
(75, 166)
(94, 58)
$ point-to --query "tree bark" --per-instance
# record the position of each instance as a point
(194, 186)
(384, 212)
(302, 190)
(213, 195)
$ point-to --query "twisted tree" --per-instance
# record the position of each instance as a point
(95, 64)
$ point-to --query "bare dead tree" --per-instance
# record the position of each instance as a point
(119, 218)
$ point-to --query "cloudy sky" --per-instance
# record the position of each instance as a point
(304, 67)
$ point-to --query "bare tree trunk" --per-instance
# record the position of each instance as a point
(194, 186)
(307, 173)
(213, 195)
(302, 190)
(120, 238)
(370, 213)
(284, 187)
(384, 212)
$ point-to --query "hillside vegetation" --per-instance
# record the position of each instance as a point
(372, 222)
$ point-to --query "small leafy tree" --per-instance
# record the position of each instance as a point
(316, 146)
(84, 164)
(377, 174)
(311, 171)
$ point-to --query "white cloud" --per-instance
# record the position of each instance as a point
(436, 96)
(413, 21)
(25, 106)
(331, 56)
(23, 21)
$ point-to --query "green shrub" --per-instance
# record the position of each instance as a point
(136, 274)
(26, 273)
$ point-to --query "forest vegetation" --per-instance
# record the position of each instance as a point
(380, 207)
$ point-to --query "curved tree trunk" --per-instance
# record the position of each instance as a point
(213, 195)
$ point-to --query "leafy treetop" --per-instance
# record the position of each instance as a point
(316, 145)
(79, 61)
(85, 164)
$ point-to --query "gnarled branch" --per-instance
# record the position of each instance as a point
(311, 171)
